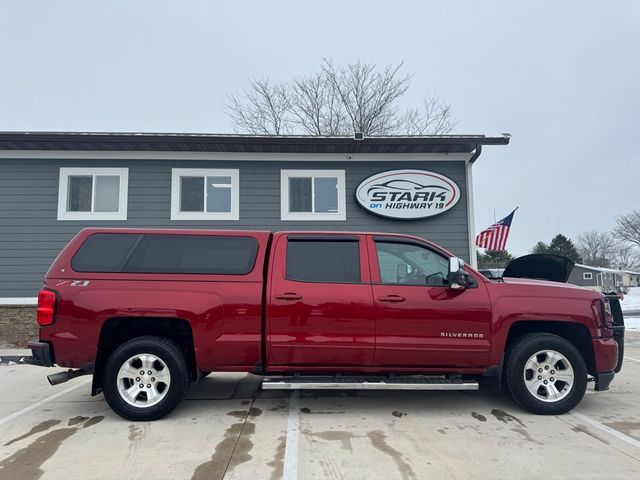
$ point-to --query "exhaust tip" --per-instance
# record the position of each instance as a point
(58, 378)
(61, 377)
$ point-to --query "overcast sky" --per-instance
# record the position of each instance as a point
(562, 77)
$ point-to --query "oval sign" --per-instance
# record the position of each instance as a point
(408, 194)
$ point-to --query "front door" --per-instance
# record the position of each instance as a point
(420, 320)
(320, 302)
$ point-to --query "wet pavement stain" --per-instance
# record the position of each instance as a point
(334, 436)
(320, 412)
(93, 421)
(477, 416)
(242, 414)
(585, 430)
(229, 453)
(75, 420)
(505, 417)
(523, 431)
(628, 428)
(278, 408)
(397, 414)
(245, 402)
(41, 427)
(277, 463)
(26, 462)
(135, 433)
(443, 432)
(379, 441)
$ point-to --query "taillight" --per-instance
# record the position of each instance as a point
(46, 307)
(608, 316)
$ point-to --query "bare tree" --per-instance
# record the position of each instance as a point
(626, 256)
(317, 107)
(596, 248)
(434, 118)
(263, 110)
(628, 227)
(338, 101)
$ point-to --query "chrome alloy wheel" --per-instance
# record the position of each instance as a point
(548, 376)
(143, 380)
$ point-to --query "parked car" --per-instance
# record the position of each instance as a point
(147, 312)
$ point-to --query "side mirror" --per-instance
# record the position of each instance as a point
(402, 272)
(456, 265)
(457, 277)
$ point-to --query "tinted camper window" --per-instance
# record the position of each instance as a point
(150, 253)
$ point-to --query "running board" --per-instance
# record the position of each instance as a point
(367, 383)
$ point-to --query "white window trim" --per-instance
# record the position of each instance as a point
(587, 276)
(285, 214)
(176, 173)
(63, 190)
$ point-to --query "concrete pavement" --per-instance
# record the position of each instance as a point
(228, 428)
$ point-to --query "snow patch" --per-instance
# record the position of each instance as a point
(631, 300)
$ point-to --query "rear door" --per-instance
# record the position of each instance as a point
(320, 310)
(420, 320)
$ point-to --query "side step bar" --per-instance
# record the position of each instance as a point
(367, 383)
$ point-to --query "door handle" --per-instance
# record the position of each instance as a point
(287, 296)
(391, 298)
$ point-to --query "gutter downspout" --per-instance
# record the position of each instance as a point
(470, 210)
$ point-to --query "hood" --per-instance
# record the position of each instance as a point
(554, 268)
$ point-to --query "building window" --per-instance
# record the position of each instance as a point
(93, 193)
(312, 195)
(587, 276)
(205, 194)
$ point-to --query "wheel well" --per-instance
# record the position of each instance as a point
(575, 333)
(117, 330)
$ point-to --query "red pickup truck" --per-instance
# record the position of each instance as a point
(147, 312)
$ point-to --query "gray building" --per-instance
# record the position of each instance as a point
(596, 278)
(54, 184)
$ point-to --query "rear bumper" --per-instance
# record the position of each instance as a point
(40, 354)
(605, 352)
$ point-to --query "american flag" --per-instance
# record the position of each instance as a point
(495, 237)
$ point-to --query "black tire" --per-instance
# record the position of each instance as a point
(521, 351)
(166, 351)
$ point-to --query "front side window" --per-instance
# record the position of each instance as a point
(312, 195)
(587, 276)
(204, 194)
(334, 261)
(410, 264)
(93, 194)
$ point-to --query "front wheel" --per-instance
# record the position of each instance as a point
(145, 378)
(545, 374)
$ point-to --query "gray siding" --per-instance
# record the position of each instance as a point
(31, 236)
(598, 278)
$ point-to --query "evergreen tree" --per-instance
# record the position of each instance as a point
(494, 259)
(540, 247)
(561, 245)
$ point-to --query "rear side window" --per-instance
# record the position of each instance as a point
(186, 254)
(323, 261)
(104, 252)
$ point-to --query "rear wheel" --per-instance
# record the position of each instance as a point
(145, 378)
(545, 374)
